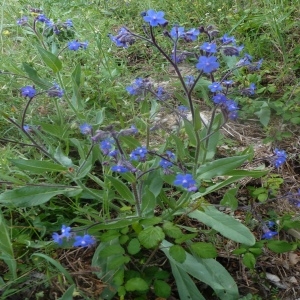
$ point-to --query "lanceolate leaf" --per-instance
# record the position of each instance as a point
(31, 195)
(37, 166)
(51, 60)
(33, 75)
(226, 225)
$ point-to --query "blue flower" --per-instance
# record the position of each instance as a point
(113, 153)
(207, 64)
(280, 157)
(155, 18)
(57, 238)
(84, 45)
(180, 57)
(225, 39)
(228, 82)
(220, 99)
(22, 21)
(136, 88)
(269, 234)
(68, 23)
(85, 128)
(177, 32)
(139, 154)
(28, 91)
(74, 45)
(106, 145)
(170, 154)
(215, 87)
(231, 105)
(84, 241)
(245, 61)
(165, 163)
(42, 18)
(191, 35)
(65, 233)
(119, 169)
(189, 80)
(255, 66)
(123, 39)
(209, 47)
(186, 181)
(27, 128)
(55, 91)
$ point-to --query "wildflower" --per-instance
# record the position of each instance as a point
(231, 105)
(280, 157)
(270, 224)
(27, 128)
(106, 146)
(189, 80)
(186, 181)
(22, 21)
(138, 86)
(85, 128)
(28, 91)
(65, 233)
(131, 131)
(119, 169)
(249, 91)
(155, 18)
(68, 23)
(269, 234)
(170, 154)
(177, 32)
(100, 134)
(191, 35)
(245, 61)
(225, 39)
(182, 109)
(55, 91)
(209, 47)
(228, 82)
(42, 18)
(207, 64)
(165, 164)
(84, 241)
(74, 45)
(293, 199)
(232, 50)
(215, 87)
(84, 45)
(180, 57)
(219, 99)
(139, 154)
(113, 153)
(255, 66)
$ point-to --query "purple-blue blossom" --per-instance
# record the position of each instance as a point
(55, 91)
(207, 64)
(155, 18)
(65, 233)
(106, 145)
(269, 234)
(165, 163)
(189, 80)
(215, 87)
(209, 47)
(85, 128)
(191, 35)
(119, 169)
(22, 21)
(177, 32)
(280, 157)
(28, 91)
(139, 154)
(42, 18)
(84, 241)
(186, 181)
(74, 45)
(225, 39)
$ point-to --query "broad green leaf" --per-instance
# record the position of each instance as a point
(122, 189)
(208, 271)
(189, 129)
(247, 173)
(220, 167)
(33, 75)
(37, 166)
(117, 262)
(155, 182)
(229, 199)
(51, 60)
(225, 224)
(62, 158)
(110, 250)
(6, 248)
(136, 284)
(185, 238)
(134, 246)
(76, 75)
(264, 114)
(31, 195)
(249, 260)
(150, 221)
(148, 203)
(68, 294)
(177, 253)
(281, 246)
(162, 289)
(204, 250)
(110, 235)
(172, 230)
(179, 147)
(55, 263)
(185, 285)
(151, 236)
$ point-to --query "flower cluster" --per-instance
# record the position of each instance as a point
(139, 86)
(186, 181)
(28, 91)
(228, 106)
(78, 241)
(123, 39)
(189, 36)
(280, 157)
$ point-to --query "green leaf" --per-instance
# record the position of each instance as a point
(177, 253)
(55, 263)
(172, 230)
(226, 225)
(264, 114)
(68, 294)
(162, 289)
(134, 246)
(150, 221)
(62, 158)
(239, 251)
(189, 129)
(122, 189)
(6, 248)
(220, 167)
(179, 147)
(204, 250)
(185, 285)
(37, 166)
(229, 199)
(148, 203)
(151, 236)
(281, 246)
(33, 75)
(117, 262)
(185, 237)
(110, 250)
(246, 173)
(208, 271)
(249, 260)
(136, 284)
(51, 60)
(31, 195)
